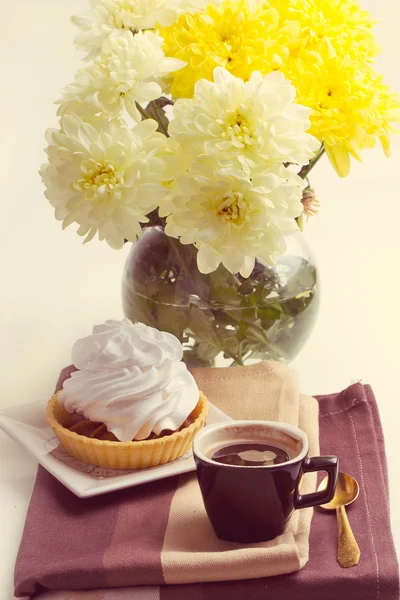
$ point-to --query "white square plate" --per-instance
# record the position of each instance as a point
(27, 425)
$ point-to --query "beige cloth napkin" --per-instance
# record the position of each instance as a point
(191, 552)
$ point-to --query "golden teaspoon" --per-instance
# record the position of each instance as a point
(347, 490)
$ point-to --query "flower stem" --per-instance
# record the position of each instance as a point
(308, 168)
(145, 115)
(235, 359)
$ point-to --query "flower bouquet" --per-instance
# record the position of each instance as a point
(201, 122)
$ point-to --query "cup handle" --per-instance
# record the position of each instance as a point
(330, 464)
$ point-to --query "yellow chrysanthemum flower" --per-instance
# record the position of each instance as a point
(351, 106)
(383, 111)
(324, 47)
(248, 35)
(334, 27)
(239, 35)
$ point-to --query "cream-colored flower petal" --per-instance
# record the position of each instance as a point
(244, 124)
(104, 176)
(247, 266)
(232, 219)
(146, 128)
(234, 261)
(129, 69)
(208, 260)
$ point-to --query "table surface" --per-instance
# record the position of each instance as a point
(54, 289)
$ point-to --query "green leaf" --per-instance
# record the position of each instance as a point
(201, 323)
(270, 313)
(225, 296)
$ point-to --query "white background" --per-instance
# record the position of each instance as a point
(53, 289)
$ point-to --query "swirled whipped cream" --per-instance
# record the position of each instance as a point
(130, 378)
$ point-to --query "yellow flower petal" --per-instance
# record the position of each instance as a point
(385, 141)
(232, 35)
(340, 159)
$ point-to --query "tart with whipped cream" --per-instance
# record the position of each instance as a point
(132, 403)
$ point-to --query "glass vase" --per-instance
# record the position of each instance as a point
(222, 319)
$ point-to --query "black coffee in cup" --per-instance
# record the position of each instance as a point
(250, 454)
(249, 474)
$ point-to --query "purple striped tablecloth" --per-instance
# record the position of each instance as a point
(99, 560)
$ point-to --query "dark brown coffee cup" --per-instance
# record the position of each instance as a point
(250, 504)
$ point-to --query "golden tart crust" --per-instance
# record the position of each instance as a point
(125, 455)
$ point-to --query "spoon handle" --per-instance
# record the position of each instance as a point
(348, 550)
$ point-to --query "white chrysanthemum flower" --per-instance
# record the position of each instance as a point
(177, 163)
(232, 220)
(131, 15)
(129, 69)
(104, 176)
(256, 123)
